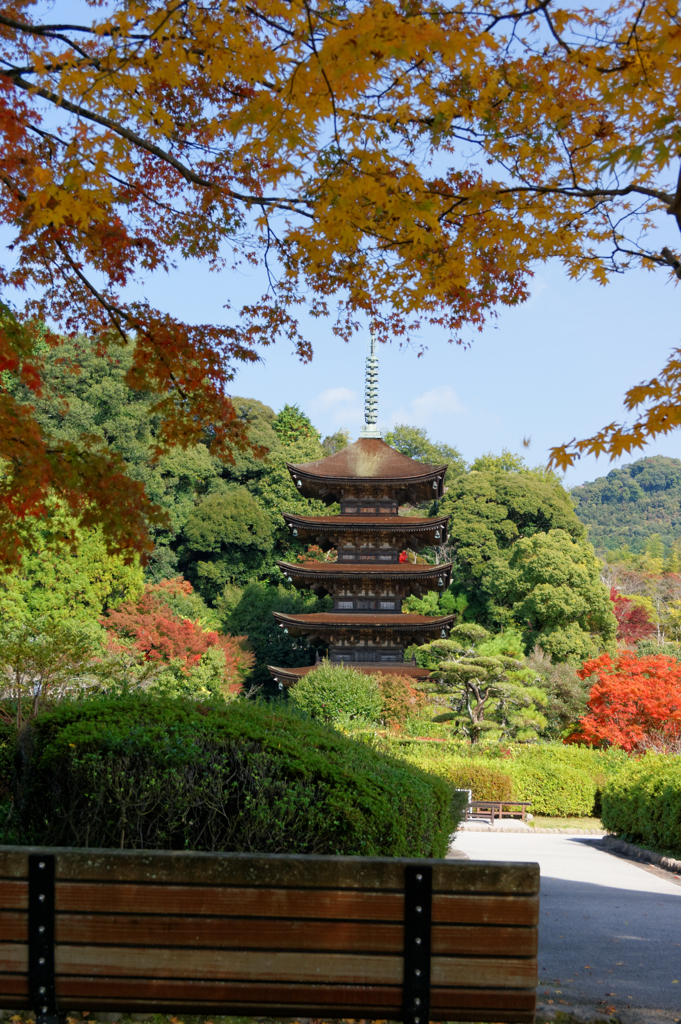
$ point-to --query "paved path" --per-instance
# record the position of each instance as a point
(610, 929)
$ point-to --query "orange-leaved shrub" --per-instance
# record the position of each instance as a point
(634, 704)
(399, 698)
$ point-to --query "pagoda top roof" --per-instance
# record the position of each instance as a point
(368, 461)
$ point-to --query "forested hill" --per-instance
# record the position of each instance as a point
(631, 504)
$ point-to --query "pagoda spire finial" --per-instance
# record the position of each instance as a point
(371, 392)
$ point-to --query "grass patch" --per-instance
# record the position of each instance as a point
(542, 822)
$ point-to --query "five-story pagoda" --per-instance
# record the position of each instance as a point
(368, 582)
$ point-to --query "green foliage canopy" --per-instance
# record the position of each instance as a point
(226, 539)
(508, 532)
(77, 582)
(558, 595)
(633, 503)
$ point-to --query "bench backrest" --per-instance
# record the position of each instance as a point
(267, 935)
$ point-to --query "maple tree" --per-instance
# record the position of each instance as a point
(633, 622)
(406, 161)
(162, 637)
(635, 703)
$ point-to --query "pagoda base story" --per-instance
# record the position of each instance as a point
(289, 676)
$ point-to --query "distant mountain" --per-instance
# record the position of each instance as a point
(630, 504)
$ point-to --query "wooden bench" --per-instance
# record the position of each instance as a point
(497, 809)
(255, 934)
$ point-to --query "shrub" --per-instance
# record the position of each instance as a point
(635, 703)
(159, 647)
(333, 692)
(399, 699)
(554, 789)
(484, 782)
(642, 803)
(8, 739)
(140, 771)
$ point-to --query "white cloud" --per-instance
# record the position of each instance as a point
(438, 401)
(426, 409)
(335, 396)
(338, 408)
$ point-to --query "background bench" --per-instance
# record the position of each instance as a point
(497, 809)
(267, 935)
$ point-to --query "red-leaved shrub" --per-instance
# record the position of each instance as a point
(635, 704)
(633, 622)
(164, 637)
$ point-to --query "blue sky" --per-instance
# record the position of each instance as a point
(552, 369)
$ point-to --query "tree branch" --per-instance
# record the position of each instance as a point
(187, 173)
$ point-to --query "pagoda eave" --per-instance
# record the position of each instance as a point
(400, 531)
(289, 676)
(330, 490)
(405, 627)
(321, 573)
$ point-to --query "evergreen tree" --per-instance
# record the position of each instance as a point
(490, 691)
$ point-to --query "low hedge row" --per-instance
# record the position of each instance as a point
(642, 803)
(559, 780)
(146, 772)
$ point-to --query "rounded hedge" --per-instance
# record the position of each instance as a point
(331, 693)
(139, 771)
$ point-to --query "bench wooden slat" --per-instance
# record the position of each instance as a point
(245, 933)
(272, 870)
(230, 902)
(208, 996)
(206, 991)
(285, 903)
(253, 965)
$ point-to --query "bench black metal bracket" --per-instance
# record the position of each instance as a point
(418, 893)
(41, 979)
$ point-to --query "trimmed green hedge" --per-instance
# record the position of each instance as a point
(559, 780)
(485, 780)
(642, 804)
(149, 772)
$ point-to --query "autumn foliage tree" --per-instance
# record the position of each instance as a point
(633, 622)
(635, 703)
(404, 163)
(164, 638)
